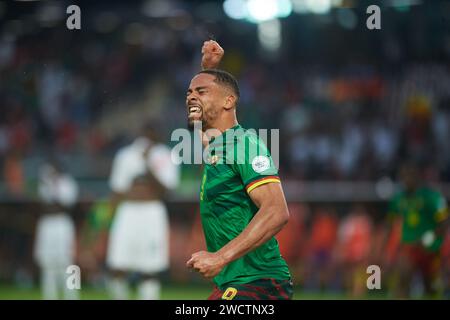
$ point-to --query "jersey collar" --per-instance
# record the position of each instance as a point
(236, 127)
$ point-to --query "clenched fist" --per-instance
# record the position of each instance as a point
(212, 54)
(208, 264)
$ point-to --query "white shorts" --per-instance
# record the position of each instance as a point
(139, 237)
(54, 244)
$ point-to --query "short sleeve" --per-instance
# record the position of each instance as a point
(119, 179)
(67, 191)
(441, 209)
(254, 163)
(393, 210)
(62, 190)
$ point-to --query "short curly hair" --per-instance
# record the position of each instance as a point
(224, 78)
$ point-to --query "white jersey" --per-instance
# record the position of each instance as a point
(139, 237)
(61, 188)
(130, 163)
(55, 232)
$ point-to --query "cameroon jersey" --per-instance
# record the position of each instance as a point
(100, 216)
(238, 162)
(421, 211)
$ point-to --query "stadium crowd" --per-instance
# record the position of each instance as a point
(71, 102)
(355, 121)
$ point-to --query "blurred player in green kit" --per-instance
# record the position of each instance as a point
(423, 215)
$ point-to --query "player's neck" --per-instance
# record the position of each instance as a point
(223, 125)
(411, 190)
(218, 128)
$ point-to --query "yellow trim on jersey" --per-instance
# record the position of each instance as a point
(261, 182)
(441, 215)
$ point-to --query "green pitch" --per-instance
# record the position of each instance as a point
(169, 293)
(8, 292)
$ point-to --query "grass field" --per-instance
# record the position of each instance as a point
(168, 293)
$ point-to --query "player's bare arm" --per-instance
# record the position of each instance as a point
(443, 226)
(272, 215)
(212, 54)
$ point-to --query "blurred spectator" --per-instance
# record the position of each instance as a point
(327, 117)
(13, 174)
(292, 239)
(320, 271)
(355, 238)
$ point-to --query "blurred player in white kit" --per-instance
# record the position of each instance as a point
(54, 246)
(141, 174)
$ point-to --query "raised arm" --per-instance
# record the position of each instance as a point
(212, 54)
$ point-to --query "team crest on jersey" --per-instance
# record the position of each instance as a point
(214, 159)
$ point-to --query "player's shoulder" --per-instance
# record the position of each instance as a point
(432, 194)
(398, 194)
(68, 179)
(247, 136)
(161, 153)
(161, 148)
(123, 151)
(122, 156)
(132, 149)
(429, 191)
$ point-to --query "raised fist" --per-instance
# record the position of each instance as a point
(212, 53)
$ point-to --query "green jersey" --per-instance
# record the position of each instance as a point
(238, 162)
(100, 217)
(420, 211)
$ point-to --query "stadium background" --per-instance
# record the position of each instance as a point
(351, 104)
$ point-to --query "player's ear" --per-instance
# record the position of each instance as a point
(230, 102)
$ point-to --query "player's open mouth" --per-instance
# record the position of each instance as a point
(194, 110)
